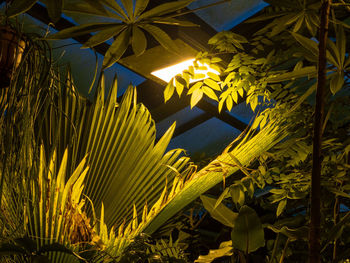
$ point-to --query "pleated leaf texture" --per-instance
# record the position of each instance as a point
(127, 168)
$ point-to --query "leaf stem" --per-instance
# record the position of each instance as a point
(284, 251)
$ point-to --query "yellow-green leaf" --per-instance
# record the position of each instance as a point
(213, 84)
(139, 41)
(169, 90)
(117, 49)
(213, 76)
(196, 97)
(210, 93)
(103, 36)
(195, 87)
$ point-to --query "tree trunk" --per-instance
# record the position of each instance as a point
(314, 235)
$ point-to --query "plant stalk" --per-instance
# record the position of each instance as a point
(314, 235)
(284, 251)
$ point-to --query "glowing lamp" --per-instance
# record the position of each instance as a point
(167, 73)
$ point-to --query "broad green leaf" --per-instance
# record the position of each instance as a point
(309, 71)
(221, 104)
(140, 6)
(333, 55)
(196, 97)
(213, 84)
(237, 194)
(54, 9)
(265, 17)
(80, 30)
(214, 76)
(341, 44)
(303, 97)
(225, 249)
(292, 234)
(221, 213)
(210, 93)
(281, 206)
(229, 103)
(337, 81)
(246, 151)
(90, 8)
(117, 49)
(20, 6)
(247, 234)
(116, 7)
(139, 41)
(179, 84)
(196, 86)
(129, 7)
(336, 230)
(307, 43)
(162, 37)
(234, 95)
(166, 8)
(174, 22)
(103, 36)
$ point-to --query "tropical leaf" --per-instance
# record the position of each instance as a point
(115, 7)
(54, 9)
(140, 6)
(20, 6)
(165, 8)
(173, 21)
(225, 249)
(139, 41)
(309, 71)
(91, 8)
(129, 7)
(162, 37)
(221, 213)
(80, 30)
(247, 150)
(117, 49)
(247, 234)
(103, 36)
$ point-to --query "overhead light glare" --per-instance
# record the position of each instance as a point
(168, 73)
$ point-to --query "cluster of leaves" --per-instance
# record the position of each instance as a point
(125, 22)
(277, 71)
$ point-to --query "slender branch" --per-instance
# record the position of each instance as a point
(314, 235)
(284, 251)
(274, 249)
(335, 218)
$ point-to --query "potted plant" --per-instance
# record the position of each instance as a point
(12, 45)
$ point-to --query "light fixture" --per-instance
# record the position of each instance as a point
(167, 73)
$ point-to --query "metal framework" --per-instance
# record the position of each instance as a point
(151, 93)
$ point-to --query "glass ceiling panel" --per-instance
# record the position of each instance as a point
(227, 15)
(210, 137)
(183, 116)
(83, 61)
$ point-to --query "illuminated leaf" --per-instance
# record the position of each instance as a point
(169, 91)
(196, 97)
(210, 93)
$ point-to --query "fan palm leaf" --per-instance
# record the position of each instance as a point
(131, 174)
